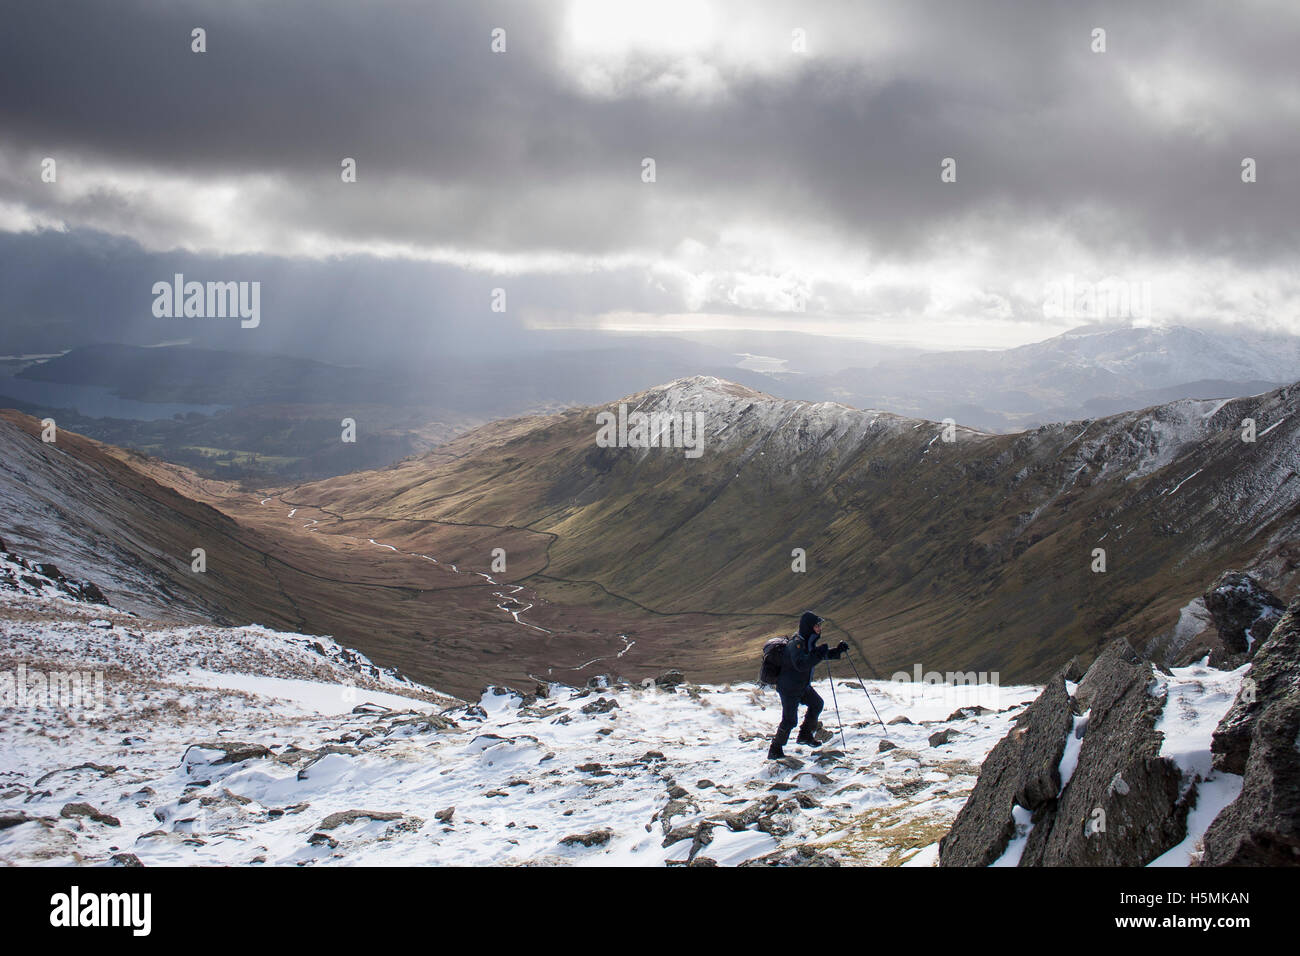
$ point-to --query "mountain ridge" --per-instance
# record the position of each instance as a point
(966, 555)
(547, 475)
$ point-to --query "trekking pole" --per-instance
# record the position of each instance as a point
(863, 685)
(837, 706)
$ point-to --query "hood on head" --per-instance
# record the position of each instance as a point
(806, 623)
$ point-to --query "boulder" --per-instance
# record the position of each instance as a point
(964, 713)
(798, 856)
(230, 752)
(342, 818)
(746, 817)
(589, 839)
(773, 826)
(73, 810)
(669, 680)
(678, 834)
(703, 837)
(103, 769)
(674, 808)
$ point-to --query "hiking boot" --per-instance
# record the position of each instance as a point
(808, 740)
(774, 752)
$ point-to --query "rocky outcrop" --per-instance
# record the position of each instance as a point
(1021, 769)
(71, 811)
(223, 752)
(589, 839)
(336, 820)
(1244, 614)
(1123, 804)
(41, 577)
(1274, 671)
(1257, 739)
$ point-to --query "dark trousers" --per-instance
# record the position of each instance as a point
(790, 714)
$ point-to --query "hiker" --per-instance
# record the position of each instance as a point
(802, 655)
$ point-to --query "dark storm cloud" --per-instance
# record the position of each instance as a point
(462, 147)
(356, 309)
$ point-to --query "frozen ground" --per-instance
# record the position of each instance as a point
(249, 746)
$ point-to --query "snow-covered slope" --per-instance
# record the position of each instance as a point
(248, 746)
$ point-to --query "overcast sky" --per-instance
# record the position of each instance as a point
(795, 188)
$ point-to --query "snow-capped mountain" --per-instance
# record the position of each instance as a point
(1087, 372)
(1164, 356)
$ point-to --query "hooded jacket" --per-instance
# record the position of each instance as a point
(803, 653)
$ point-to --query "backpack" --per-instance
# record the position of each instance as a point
(773, 654)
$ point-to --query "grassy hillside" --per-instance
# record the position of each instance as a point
(971, 555)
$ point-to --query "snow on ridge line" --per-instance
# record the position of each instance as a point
(723, 396)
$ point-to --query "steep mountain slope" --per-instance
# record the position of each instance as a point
(73, 502)
(398, 591)
(974, 554)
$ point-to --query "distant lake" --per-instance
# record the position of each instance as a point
(94, 401)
